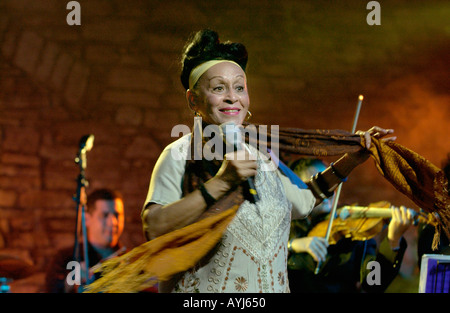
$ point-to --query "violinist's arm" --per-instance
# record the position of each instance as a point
(402, 219)
(315, 246)
(391, 249)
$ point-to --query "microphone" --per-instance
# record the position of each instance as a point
(233, 137)
(86, 143)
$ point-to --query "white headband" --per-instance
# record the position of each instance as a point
(199, 70)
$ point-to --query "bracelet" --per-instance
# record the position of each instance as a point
(206, 196)
(341, 177)
(323, 186)
(315, 188)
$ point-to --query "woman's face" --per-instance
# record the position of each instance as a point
(221, 95)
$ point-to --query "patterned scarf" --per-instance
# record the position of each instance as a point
(177, 251)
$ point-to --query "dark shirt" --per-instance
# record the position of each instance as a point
(57, 271)
(345, 267)
(425, 242)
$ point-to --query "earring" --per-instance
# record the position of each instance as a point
(249, 115)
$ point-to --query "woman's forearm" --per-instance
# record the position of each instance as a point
(160, 219)
(334, 175)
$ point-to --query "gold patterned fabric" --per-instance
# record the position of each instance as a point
(417, 178)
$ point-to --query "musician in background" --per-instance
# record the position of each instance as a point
(344, 264)
(104, 224)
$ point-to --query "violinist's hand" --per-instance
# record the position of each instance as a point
(402, 219)
(315, 246)
(377, 132)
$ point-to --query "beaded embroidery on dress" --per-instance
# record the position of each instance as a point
(259, 226)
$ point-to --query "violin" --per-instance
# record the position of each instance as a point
(363, 223)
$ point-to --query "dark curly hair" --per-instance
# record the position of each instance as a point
(306, 167)
(101, 194)
(204, 46)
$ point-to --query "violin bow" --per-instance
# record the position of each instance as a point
(338, 190)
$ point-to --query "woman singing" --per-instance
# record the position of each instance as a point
(252, 253)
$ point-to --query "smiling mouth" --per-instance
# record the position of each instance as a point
(230, 111)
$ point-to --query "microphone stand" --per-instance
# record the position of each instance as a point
(80, 199)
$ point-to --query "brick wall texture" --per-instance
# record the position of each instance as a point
(116, 76)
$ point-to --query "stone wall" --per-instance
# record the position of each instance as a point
(116, 76)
